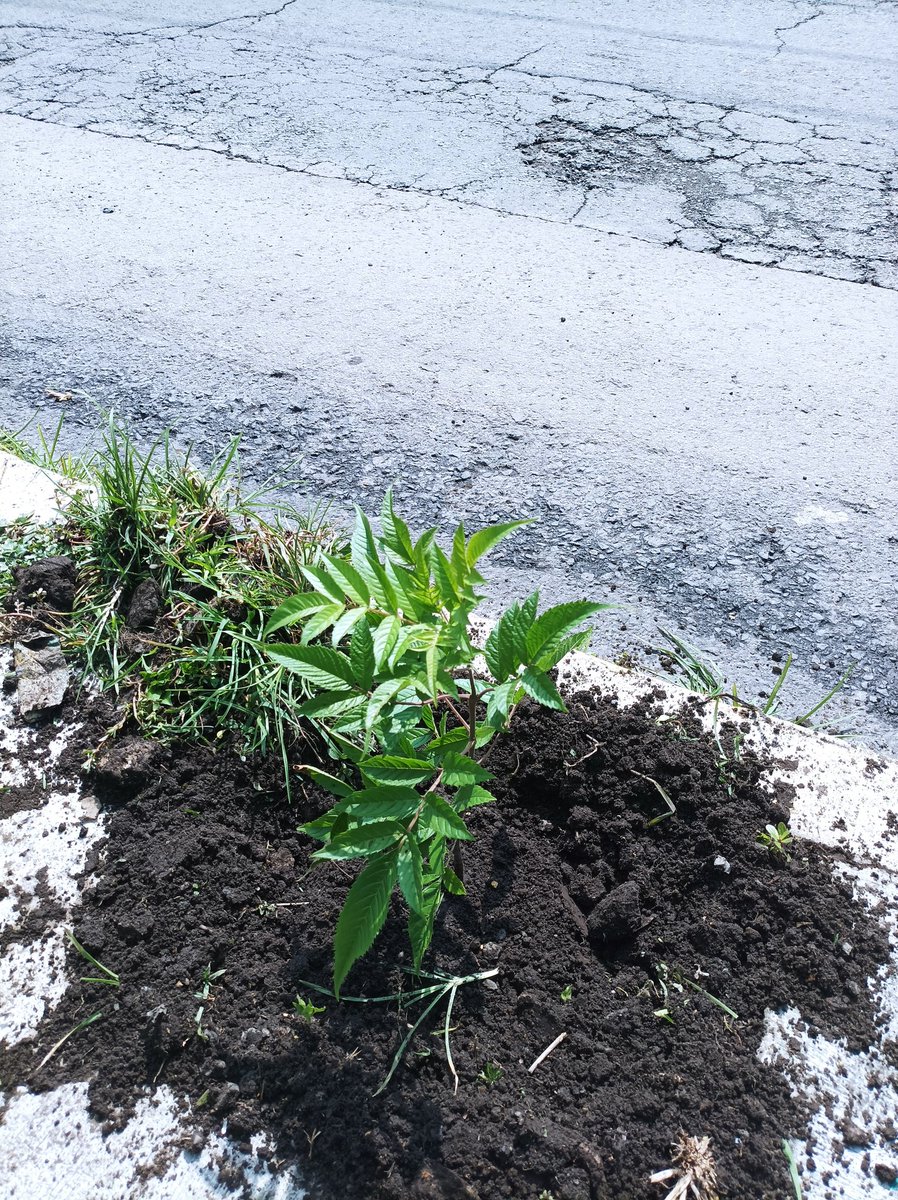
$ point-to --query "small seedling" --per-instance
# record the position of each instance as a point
(776, 838)
(306, 1009)
(567, 993)
(65, 1037)
(794, 1177)
(107, 978)
(663, 1014)
(208, 979)
(491, 1073)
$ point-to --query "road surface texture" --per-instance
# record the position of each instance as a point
(630, 270)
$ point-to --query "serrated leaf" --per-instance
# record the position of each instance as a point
(321, 621)
(459, 770)
(349, 579)
(345, 624)
(395, 531)
(385, 637)
(363, 915)
(330, 783)
(392, 768)
(361, 655)
(392, 802)
(444, 577)
(321, 828)
(555, 650)
(361, 841)
(541, 688)
(506, 645)
(557, 621)
(498, 703)
(484, 540)
(410, 873)
(453, 884)
(381, 697)
(295, 609)
(332, 704)
(320, 665)
(366, 561)
(432, 662)
(443, 819)
(322, 582)
(471, 796)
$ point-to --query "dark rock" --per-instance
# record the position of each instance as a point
(617, 917)
(127, 765)
(47, 585)
(854, 1135)
(145, 606)
(885, 1173)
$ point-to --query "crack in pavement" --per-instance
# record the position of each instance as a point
(625, 159)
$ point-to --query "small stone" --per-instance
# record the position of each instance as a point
(885, 1173)
(145, 605)
(854, 1135)
(618, 917)
(127, 765)
(42, 676)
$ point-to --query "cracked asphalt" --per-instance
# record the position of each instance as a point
(629, 271)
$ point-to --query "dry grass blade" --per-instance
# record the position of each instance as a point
(693, 1173)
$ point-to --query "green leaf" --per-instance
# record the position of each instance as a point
(391, 768)
(345, 623)
(485, 539)
(291, 611)
(411, 880)
(363, 915)
(330, 783)
(555, 650)
(459, 770)
(444, 577)
(506, 646)
(381, 803)
(432, 662)
(452, 883)
(471, 796)
(320, 665)
(443, 819)
(499, 702)
(343, 747)
(332, 704)
(420, 925)
(385, 637)
(349, 579)
(395, 531)
(361, 655)
(556, 622)
(541, 688)
(323, 583)
(322, 827)
(322, 620)
(362, 841)
(367, 562)
(381, 697)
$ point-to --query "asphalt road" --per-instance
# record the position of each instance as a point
(630, 271)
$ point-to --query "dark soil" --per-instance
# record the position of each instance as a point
(568, 887)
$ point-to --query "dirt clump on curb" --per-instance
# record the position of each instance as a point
(618, 929)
